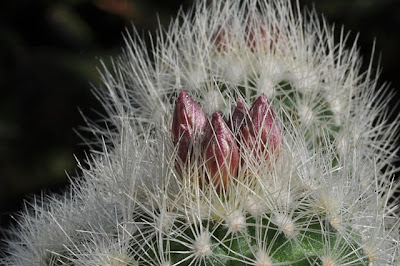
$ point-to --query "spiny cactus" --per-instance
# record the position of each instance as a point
(244, 136)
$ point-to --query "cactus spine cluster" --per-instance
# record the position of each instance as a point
(245, 135)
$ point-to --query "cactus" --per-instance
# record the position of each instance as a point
(245, 135)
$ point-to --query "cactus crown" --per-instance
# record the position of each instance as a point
(247, 136)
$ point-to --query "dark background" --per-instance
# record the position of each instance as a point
(49, 52)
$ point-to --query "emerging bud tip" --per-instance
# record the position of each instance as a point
(238, 116)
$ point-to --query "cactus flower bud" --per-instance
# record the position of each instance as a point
(188, 123)
(259, 36)
(256, 33)
(221, 40)
(238, 116)
(262, 131)
(221, 153)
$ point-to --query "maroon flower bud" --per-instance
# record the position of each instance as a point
(262, 133)
(188, 123)
(239, 116)
(221, 40)
(221, 153)
(260, 36)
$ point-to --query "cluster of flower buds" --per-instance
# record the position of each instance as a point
(222, 144)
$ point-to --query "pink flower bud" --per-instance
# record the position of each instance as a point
(188, 123)
(221, 40)
(221, 153)
(262, 133)
(260, 36)
(224, 40)
(239, 116)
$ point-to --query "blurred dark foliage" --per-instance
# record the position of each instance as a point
(49, 55)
